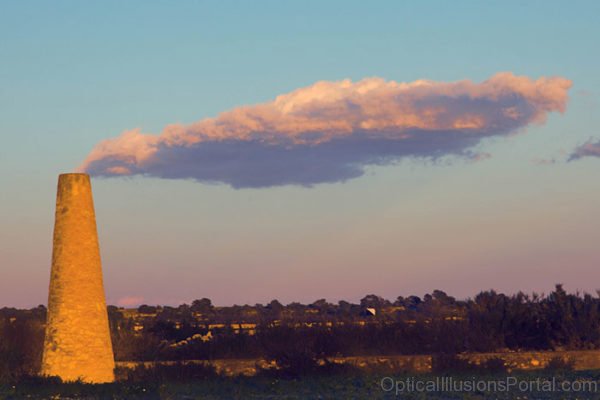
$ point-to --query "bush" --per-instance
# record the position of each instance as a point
(37, 380)
(295, 364)
(21, 345)
(493, 365)
(177, 372)
(449, 363)
(560, 364)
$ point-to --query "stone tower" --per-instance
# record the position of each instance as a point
(77, 343)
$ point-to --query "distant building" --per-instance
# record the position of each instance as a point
(369, 312)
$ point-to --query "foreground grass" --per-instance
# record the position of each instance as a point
(343, 386)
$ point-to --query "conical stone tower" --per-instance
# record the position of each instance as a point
(77, 343)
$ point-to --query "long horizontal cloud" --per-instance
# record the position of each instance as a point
(329, 131)
(589, 149)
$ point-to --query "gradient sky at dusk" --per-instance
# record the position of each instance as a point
(75, 73)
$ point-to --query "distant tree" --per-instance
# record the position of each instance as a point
(400, 301)
(168, 313)
(146, 309)
(203, 306)
(297, 310)
(374, 301)
(185, 313)
(345, 308)
(412, 302)
(21, 343)
(274, 305)
(39, 312)
(561, 307)
(323, 306)
(442, 297)
(274, 309)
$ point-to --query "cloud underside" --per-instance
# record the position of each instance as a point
(589, 149)
(330, 131)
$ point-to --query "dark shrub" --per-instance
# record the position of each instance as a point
(493, 365)
(560, 364)
(449, 363)
(178, 372)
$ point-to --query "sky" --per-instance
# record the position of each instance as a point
(250, 151)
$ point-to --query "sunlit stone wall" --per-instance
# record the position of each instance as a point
(77, 343)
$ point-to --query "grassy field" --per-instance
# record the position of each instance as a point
(344, 386)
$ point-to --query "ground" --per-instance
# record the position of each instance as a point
(345, 386)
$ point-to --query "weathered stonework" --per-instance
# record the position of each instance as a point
(77, 343)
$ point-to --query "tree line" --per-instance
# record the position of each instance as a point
(295, 333)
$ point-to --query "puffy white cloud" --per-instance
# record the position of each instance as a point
(329, 131)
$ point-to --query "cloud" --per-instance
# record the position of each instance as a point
(589, 149)
(129, 301)
(544, 161)
(330, 131)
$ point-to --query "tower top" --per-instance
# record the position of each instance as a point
(69, 175)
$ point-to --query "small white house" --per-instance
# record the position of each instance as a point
(370, 311)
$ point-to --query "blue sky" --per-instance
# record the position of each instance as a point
(74, 73)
